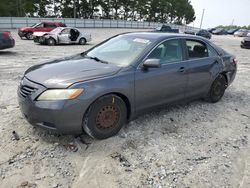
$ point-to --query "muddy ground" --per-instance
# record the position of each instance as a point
(193, 145)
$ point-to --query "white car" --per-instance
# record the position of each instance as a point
(241, 33)
(248, 35)
(62, 35)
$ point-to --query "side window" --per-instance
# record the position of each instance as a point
(41, 25)
(212, 52)
(65, 31)
(49, 25)
(196, 49)
(168, 52)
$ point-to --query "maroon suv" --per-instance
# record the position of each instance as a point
(39, 27)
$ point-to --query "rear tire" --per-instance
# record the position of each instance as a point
(29, 36)
(105, 117)
(217, 89)
(51, 42)
(82, 41)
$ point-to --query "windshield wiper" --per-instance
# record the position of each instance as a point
(94, 58)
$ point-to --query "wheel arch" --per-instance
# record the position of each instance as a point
(119, 94)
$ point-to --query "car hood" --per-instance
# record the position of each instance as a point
(62, 73)
(25, 28)
(39, 34)
(247, 39)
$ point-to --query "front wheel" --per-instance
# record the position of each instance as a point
(105, 117)
(29, 36)
(51, 42)
(217, 89)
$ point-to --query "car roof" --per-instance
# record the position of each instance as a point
(67, 27)
(161, 36)
(52, 22)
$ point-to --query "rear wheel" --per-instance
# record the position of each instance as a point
(217, 89)
(82, 41)
(51, 42)
(29, 36)
(105, 117)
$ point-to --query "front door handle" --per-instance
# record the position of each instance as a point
(181, 69)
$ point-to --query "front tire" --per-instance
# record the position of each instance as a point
(105, 117)
(51, 42)
(217, 89)
(29, 36)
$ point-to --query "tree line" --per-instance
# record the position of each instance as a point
(171, 11)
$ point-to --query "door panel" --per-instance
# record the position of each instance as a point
(157, 86)
(63, 37)
(201, 65)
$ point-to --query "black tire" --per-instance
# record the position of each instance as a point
(29, 36)
(51, 42)
(82, 41)
(105, 117)
(217, 89)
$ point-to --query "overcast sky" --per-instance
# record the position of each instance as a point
(221, 12)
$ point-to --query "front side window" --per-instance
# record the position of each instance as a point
(65, 31)
(196, 49)
(168, 52)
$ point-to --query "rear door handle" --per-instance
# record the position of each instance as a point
(181, 69)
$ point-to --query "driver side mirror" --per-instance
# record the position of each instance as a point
(152, 63)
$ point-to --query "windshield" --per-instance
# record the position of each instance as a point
(56, 30)
(34, 25)
(121, 50)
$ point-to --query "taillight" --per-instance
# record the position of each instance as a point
(235, 61)
(6, 34)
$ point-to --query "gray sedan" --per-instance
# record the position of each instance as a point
(62, 35)
(99, 90)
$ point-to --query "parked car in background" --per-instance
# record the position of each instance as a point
(62, 35)
(210, 30)
(167, 29)
(6, 40)
(219, 31)
(101, 89)
(27, 32)
(241, 33)
(248, 35)
(190, 32)
(245, 43)
(204, 33)
(232, 31)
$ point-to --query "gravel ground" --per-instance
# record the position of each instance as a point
(193, 145)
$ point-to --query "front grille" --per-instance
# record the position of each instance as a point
(26, 90)
(247, 42)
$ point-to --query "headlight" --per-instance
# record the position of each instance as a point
(59, 94)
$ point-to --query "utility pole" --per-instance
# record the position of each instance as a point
(75, 12)
(202, 17)
(232, 23)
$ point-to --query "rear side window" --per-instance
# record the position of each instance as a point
(196, 49)
(168, 52)
(212, 52)
(49, 25)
